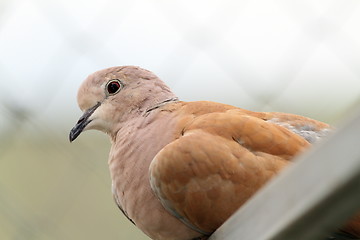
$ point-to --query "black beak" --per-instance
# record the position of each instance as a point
(82, 123)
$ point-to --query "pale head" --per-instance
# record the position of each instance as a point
(111, 96)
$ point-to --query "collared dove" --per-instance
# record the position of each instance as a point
(180, 169)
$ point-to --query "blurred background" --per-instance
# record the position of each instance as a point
(296, 56)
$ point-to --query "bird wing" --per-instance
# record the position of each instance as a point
(219, 161)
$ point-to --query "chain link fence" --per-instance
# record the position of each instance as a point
(292, 56)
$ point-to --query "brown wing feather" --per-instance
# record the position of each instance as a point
(220, 161)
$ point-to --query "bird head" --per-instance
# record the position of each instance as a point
(111, 96)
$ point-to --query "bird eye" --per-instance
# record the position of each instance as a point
(113, 87)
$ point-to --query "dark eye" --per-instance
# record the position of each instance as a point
(113, 87)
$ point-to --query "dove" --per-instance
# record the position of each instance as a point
(180, 169)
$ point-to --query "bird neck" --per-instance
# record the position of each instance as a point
(153, 94)
(156, 106)
(146, 103)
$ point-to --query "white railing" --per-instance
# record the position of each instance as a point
(310, 199)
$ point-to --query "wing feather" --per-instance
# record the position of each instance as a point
(218, 163)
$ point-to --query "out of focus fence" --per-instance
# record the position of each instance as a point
(290, 56)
